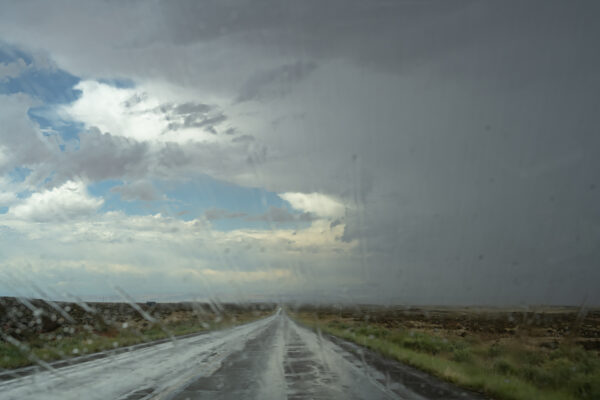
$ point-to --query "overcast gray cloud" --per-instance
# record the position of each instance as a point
(138, 190)
(192, 115)
(461, 137)
(103, 156)
(276, 81)
(20, 143)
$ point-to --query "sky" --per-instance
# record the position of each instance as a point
(396, 152)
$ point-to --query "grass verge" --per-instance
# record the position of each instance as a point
(79, 341)
(504, 371)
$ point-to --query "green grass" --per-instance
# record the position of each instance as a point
(58, 345)
(503, 372)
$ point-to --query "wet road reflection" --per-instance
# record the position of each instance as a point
(287, 361)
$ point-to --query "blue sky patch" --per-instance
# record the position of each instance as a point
(50, 86)
(205, 192)
(191, 199)
(24, 194)
(114, 202)
(51, 123)
(19, 174)
(10, 54)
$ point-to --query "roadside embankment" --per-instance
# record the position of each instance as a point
(34, 331)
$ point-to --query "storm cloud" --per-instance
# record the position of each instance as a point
(441, 152)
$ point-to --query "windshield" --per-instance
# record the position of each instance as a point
(328, 191)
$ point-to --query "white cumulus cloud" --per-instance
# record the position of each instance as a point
(63, 203)
(143, 115)
(316, 203)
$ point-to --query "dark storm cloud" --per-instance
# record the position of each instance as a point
(401, 36)
(335, 223)
(475, 182)
(491, 215)
(312, 26)
(243, 139)
(276, 81)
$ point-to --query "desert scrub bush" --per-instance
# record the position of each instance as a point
(561, 370)
(538, 376)
(380, 332)
(339, 324)
(495, 350)
(585, 360)
(427, 343)
(462, 355)
(585, 387)
(504, 367)
(534, 358)
(363, 330)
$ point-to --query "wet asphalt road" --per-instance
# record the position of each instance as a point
(287, 361)
(273, 358)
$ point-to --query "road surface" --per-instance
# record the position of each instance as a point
(273, 358)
